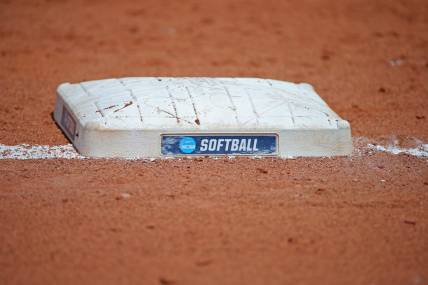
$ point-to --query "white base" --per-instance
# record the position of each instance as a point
(126, 117)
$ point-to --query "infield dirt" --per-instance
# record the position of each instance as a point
(361, 219)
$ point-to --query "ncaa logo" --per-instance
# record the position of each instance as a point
(187, 145)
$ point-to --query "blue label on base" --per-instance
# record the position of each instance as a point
(219, 144)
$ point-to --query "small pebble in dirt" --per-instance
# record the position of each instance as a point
(381, 90)
(394, 34)
(420, 117)
(123, 196)
(133, 29)
(378, 34)
(320, 191)
(325, 57)
(383, 180)
(164, 281)
(396, 62)
(261, 170)
(355, 106)
(203, 262)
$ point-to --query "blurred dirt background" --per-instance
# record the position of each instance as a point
(353, 220)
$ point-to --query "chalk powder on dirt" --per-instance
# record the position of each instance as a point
(26, 151)
(419, 151)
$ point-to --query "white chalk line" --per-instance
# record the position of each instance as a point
(419, 151)
(28, 152)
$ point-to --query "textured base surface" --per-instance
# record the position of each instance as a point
(132, 117)
(358, 220)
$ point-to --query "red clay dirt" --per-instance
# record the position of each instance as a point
(361, 219)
